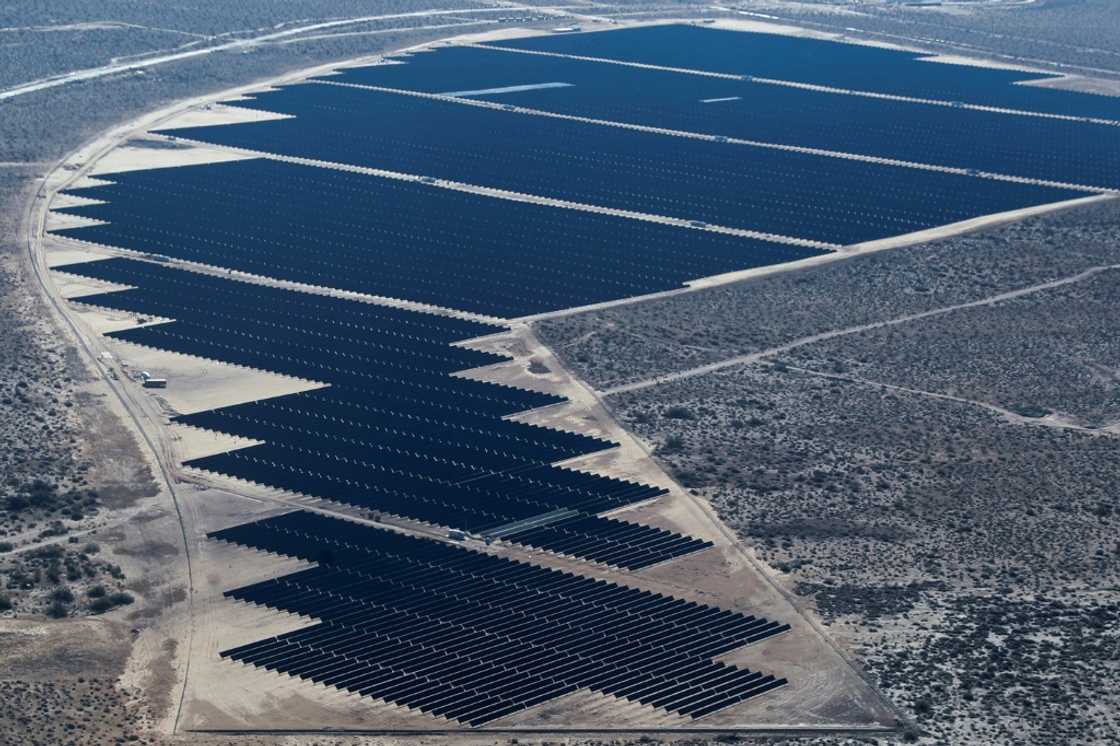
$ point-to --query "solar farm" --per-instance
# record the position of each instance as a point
(412, 518)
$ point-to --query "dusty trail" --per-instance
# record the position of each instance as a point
(761, 355)
(1007, 414)
(140, 64)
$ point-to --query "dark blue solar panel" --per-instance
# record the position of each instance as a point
(394, 431)
(405, 240)
(828, 63)
(771, 191)
(473, 637)
(1029, 147)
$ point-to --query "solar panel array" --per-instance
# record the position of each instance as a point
(827, 63)
(396, 429)
(472, 637)
(777, 192)
(1060, 150)
(395, 432)
(403, 239)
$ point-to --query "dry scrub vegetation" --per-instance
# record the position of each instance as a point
(44, 474)
(65, 461)
(848, 483)
(1053, 352)
(971, 561)
(627, 343)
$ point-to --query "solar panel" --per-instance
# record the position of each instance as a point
(473, 637)
(394, 431)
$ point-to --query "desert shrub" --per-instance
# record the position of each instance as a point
(674, 442)
(63, 595)
(16, 503)
(100, 605)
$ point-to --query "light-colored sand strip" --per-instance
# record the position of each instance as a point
(761, 355)
(533, 198)
(959, 171)
(806, 86)
(141, 158)
(62, 201)
(223, 113)
(507, 89)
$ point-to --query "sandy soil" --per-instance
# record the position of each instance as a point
(957, 59)
(146, 156)
(1101, 86)
(59, 221)
(214, 113)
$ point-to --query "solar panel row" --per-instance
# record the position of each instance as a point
(394, 432)
(474, 637)
(403, 239)
(610, 542)
(829, 63)
(433, 493)
(778, 192)
(1029, 147)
